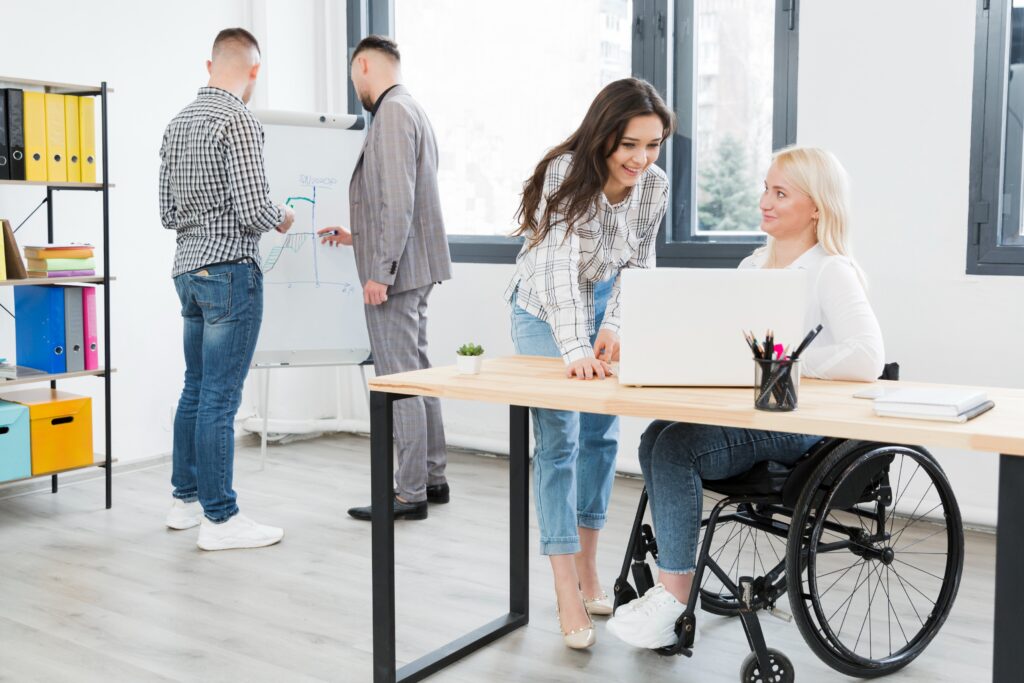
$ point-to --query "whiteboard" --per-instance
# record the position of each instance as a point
(312, 299)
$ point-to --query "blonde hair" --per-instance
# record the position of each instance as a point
(818, 174)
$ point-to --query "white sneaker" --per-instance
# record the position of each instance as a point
(650, 622)
(237, 532)
(184, 515)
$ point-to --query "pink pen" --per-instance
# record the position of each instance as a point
(779, 351)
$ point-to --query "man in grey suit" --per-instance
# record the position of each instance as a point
(401, 251)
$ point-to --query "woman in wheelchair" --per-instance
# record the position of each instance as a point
(806, 217)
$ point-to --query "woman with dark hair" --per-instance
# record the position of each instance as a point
(591, 208)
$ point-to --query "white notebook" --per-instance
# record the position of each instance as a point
(962, 417)
(937, 402)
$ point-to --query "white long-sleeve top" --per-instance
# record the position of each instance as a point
(850, 345)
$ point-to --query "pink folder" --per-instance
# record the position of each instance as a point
(92, 356)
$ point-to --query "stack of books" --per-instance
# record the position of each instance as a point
(951, 405)
(61, 260)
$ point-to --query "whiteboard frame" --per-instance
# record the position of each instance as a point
(267, 358)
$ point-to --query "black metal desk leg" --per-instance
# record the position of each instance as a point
(383, 520)
(519, 513)
(1009, 628)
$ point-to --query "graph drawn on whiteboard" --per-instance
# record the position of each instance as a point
(301, 242)
(312, 297)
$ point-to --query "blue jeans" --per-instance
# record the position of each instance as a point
(222, 307)
(574, 453)
(675, 456)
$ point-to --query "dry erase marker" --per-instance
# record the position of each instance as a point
(329, 233)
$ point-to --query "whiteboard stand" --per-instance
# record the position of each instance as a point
(265, 396)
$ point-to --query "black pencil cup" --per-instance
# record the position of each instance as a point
(776, 384)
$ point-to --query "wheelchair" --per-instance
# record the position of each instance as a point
(865, 538)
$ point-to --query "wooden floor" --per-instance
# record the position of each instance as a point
(88, 594)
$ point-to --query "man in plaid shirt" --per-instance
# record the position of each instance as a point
(214, 193)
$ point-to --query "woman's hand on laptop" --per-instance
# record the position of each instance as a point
(589, 368)
(606, 346)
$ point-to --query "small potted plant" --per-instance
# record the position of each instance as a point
(469, 358)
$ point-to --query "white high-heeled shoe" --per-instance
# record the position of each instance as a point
(601, 606)
(578, 638)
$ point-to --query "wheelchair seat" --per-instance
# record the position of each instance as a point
(775, 479)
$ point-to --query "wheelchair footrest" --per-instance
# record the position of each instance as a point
(673, 650)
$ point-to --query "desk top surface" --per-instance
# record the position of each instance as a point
(826, 408)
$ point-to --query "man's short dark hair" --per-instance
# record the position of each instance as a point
(239, 35)
(380, 43)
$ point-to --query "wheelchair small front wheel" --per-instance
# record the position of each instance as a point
(780, 669)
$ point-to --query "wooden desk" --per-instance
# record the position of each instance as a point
(826, 409)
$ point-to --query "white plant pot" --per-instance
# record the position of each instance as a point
(469, 365)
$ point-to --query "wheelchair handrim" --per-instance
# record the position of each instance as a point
(950, 580)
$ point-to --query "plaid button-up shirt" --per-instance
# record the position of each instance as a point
(555, 279)
(213, 190)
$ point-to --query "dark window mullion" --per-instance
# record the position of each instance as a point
(787, 40)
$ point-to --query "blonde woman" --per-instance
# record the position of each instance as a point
(805, 213)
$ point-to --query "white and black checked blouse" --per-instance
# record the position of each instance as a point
(555, 280)
(212, 187)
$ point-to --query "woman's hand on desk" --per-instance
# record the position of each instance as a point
(589, 368)
(606, 346)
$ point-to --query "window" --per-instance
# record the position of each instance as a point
(502, 83)
(995, 241)
(729, 71)
(734, 94)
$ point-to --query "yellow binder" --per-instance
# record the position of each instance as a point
(35, 136)
(71, 134)
(56, 139)
(87, 138)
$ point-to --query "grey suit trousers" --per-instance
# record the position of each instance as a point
(398, 337)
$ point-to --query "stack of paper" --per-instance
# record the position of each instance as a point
(61, 260)
(952, 405)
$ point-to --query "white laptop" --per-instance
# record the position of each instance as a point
(684, 326)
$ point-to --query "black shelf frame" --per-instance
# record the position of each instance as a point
(104, 188)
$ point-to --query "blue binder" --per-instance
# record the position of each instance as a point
(39, 327)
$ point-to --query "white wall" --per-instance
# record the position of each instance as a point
(898, 113)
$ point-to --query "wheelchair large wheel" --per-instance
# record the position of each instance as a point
(744, 545)
(874, 557)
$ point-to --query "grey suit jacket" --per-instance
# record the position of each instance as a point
(397, 229)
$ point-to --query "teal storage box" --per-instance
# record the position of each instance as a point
(15, 443)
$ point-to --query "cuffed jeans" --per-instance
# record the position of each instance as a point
(675, 456)
(222, 307)
(574, 453)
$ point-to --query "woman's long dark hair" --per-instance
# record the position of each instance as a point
(593, 142)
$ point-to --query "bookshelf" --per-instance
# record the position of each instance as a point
(52, 189)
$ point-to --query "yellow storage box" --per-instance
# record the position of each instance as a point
(61, 428)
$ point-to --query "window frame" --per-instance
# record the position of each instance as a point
(705, 251)
(985, 254)
(650, 55)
